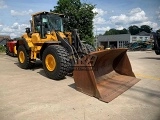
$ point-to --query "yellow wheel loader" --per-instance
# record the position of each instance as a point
(104, 74)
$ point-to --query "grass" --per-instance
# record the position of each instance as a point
(2, 48)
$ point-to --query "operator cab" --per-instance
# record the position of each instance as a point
(46, 22)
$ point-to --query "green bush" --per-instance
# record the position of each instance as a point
(2, 48)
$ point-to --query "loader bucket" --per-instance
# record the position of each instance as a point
(104, 74)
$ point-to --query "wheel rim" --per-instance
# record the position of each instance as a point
(21, 57)
(50, 62)
(15, 51)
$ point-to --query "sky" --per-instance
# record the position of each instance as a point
(118, 14)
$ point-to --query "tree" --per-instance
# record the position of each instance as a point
(158, 31)
(133, 30)
(146, 28)
(111, 32)
(124, 31)
(79, 16)
(115, 32)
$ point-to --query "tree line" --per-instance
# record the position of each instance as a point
(133, 30)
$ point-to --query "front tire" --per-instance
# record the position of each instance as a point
(23, 58)
(55, 62)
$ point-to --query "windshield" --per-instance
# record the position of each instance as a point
(54, 22)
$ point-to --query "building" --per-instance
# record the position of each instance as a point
(142, 36)
(117, 41)
(3, 39)
(120, 40)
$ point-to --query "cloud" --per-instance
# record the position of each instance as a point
(21, 13)
(119, 27)
(137, 15)
(16, 30)
(151, 24)
(13, 35)
(99, 20)
(2, 4)
(118, 20)
(103, 28)
(134, 17)
(99, 12)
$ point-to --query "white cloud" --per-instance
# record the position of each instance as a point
(2, 4)
(13, 35)
(135, 17)
(151, 24)
(15, 26)
(99, 20)
(21, 13)
(16, 30)
(103, 28)
(119, 19)
(119, 27)
(99, 12)
(135, 10)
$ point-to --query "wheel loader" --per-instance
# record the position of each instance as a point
(103, 74)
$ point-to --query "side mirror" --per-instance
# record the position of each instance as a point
(28, 30)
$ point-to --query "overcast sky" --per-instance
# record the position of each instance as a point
(119, 14)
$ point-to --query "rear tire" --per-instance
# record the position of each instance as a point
(23, 58)
(157, 52)
(7, 50)
(55, 62)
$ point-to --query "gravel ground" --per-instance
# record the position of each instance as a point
(30, 95)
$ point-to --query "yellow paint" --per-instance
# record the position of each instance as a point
(15, 51)
(50, 62)
(35, 38)
(21, 57)
(147, 76)
(28, 40)
(69, 36)
(62, 34)
(54, 36)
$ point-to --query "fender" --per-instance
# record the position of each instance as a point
(22, 41)
(46, 44)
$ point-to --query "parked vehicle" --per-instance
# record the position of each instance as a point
(156, 45)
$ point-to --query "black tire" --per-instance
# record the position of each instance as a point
(27, 63)
(90, 48)
(157, 52)
(61, 59)
(7, 50)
